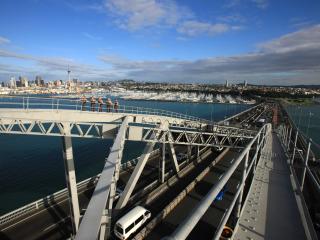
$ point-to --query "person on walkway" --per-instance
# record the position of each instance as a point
(83, 101)
(100, 102)
(109, 105)
(116, 105)
(93, 103)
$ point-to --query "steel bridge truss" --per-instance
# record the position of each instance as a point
(219, 137)
(97, 218)
(209, 136)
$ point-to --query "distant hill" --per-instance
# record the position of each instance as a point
(315, 86)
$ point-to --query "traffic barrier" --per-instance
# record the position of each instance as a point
(57, 196)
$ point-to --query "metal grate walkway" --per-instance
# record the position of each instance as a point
(271, 211)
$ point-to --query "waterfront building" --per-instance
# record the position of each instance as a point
(12, 82)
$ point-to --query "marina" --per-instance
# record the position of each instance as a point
(123, 94)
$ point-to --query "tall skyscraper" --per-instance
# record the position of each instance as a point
(23, 81)
(38, 80)
(245, 83)
(227, 83)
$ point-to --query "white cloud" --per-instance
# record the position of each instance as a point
(303, 39)
(138, 14)
(194, 28)
(290, 59)
(262, 4)
(135, 15)
(4, 40)
(55, 67)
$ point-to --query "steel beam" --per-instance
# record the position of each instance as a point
(125, 196)
(198, 153)
(162, 163)
(70, 178)
(91, 222)
(173, 157)
(189, 152)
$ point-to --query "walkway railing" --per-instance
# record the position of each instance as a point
(69, 104)
(305, 166)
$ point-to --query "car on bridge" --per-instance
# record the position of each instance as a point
(131, 222)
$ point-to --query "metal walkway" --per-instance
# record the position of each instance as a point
(271, 211)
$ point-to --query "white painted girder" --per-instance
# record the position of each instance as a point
(90, 225)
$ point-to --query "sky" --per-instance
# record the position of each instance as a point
(209, 41)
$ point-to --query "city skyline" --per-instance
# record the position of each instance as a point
(260, 41)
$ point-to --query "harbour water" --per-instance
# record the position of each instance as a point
(307, 119)
(31, 167)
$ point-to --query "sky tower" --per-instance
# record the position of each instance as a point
(69, 74)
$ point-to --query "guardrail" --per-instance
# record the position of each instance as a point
(299, 145)
(53, 198)
(305, 167)
(68, 104)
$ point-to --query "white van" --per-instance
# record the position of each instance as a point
(130, 222)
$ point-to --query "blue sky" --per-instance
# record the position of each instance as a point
(261, 41)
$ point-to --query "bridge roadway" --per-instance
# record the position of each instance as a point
(54, 221)
(205, 229)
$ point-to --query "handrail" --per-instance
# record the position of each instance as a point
(61, 103)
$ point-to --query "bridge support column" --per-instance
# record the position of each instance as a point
(162, 163)
(294, 146)
(70, 178)
(244, 172)
(305, 166)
